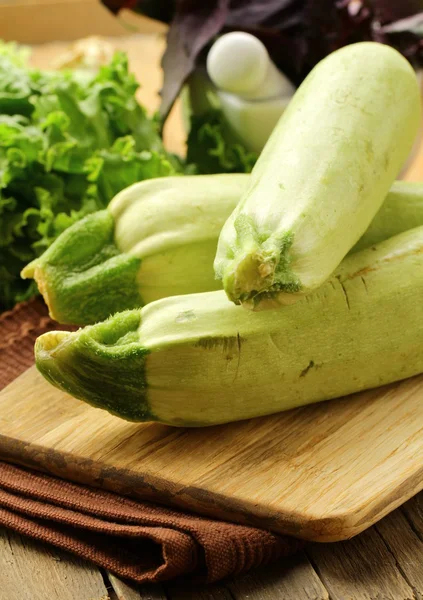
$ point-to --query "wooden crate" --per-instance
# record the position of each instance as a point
(39, 21)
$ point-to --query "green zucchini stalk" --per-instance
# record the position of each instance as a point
(134, 252)
(321, 177)
(198, 359)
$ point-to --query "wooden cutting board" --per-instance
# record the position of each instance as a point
(323, 472)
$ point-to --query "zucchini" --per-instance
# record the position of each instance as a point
(199, 360)
(133, 253)
(402, 209)
(141, 249)
(321, 177)
(157, 238)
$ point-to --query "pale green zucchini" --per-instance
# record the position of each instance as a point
(402, 209)
(199, 360)
(135, 253)
(321, 177)
(159, 240)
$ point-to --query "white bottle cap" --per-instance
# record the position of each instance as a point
(239, 63)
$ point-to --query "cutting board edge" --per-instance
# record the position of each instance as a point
(336, 527)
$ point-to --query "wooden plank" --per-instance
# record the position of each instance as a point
(190, 591)
(305, 472)
(413, 511)
(406, 547)
(39, 21)
(34, 23)
(291, 579)
(129, 591)
(35, 571)
(362, 568)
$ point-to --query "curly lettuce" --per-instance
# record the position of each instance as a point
(69, 141)
(213, 148)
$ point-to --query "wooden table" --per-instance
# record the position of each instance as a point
(383, 563)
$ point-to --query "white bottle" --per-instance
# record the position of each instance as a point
(252, 91)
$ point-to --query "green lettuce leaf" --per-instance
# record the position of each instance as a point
(121, 165)
(68, 144)
(211, 147)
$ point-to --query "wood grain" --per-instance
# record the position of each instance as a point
(187, 591)
(306, 472)
(360, 569)
(32, 571)
(293, 579)
(127, 591)
(413, 510)
(406, 547)
(25, 21)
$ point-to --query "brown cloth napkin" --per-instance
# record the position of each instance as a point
(136, 540)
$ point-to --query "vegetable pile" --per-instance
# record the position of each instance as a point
(308, 247)
(69, 142)
(198, 359)
(158, 238)
(322, 176)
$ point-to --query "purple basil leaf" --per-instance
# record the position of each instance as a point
(322, 24)
(323, 29)
(406, 42)
(297, 33)
(412, 24)
(195, 24)
(256, 12)
(387, 11)
(285, 15)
